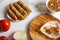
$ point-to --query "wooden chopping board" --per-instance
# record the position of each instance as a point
(35, 25)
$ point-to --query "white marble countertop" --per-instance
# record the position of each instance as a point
(21, 25)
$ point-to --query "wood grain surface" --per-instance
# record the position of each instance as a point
(35, 25)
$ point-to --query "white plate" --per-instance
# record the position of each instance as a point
(49, 25)
(21, 25)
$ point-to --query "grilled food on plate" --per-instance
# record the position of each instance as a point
(45, 27)
(51, 29)
(18, 10)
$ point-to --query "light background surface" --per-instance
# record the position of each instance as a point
(21, 25)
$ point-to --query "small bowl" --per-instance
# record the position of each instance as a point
(48, 7)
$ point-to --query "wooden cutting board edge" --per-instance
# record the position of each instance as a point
(38, 16)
